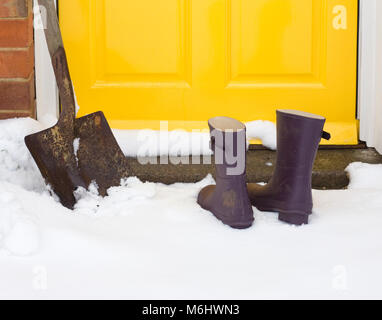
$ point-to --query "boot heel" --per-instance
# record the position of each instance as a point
(297, 219)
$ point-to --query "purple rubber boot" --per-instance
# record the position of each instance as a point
(228, 200)
(289, 192)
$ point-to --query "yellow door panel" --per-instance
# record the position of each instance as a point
(188, 60)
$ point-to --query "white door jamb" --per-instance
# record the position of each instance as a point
(47, 101)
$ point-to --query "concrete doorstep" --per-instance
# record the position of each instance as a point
(328, 172)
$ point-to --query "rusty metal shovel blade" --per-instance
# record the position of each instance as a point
(53, 152)
(98, 159)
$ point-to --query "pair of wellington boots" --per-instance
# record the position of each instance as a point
(289, 192)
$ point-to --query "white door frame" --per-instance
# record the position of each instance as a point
(47, 102)
(369, 80)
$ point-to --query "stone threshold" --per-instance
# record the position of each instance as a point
(328, 172)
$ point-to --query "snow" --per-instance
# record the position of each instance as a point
(16, 163)
(263, 130)
(19, 234)
(76, 147)
(365, 176)
(152, 241)
(143, 143)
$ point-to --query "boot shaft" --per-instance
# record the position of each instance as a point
(229, 145)
(289, 192)
(228, 200)
(298, 137)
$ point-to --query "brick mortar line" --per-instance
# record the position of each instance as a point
(14, 18)
(16, 49)
(16, 111)
(17, 79)
(29, 44)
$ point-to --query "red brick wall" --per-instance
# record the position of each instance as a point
(17, 93)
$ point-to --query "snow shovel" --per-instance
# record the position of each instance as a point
(75, 152)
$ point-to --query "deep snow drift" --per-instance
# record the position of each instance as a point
(149, 240)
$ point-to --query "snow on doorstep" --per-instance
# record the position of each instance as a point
(152, 241)
(364, 175)
(264, 131)
(181, 143)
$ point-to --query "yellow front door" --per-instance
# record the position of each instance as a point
(142, 61)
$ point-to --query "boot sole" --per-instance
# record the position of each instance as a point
(234, 225)
(295, 218)
(291, 217)
(281, 210)
(238, 225)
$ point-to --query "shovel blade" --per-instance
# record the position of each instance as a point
(100, 159)
(52, 150)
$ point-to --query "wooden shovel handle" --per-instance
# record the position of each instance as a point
(58, 56)
(65, 88)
